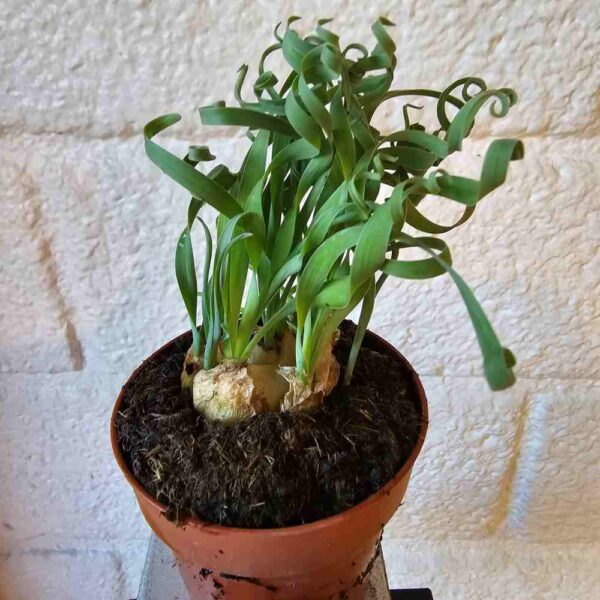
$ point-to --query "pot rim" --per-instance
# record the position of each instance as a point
(293, 529)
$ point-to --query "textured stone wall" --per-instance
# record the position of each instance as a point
(505, 498)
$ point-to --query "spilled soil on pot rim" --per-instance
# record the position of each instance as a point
(275, 469)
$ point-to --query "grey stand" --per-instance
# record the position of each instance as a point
(161, 580)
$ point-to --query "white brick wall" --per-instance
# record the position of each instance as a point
(504, 499)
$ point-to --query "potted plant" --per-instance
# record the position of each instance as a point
(269, 446)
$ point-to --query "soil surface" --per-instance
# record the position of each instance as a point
(275, 469)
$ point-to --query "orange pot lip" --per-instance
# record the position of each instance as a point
(350, 513)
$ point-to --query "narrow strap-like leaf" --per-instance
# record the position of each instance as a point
(493, 173)
(422, 223)
(425, 268)
(462, 122)
(368, 303)
(371, 247)
(244, 117)
(301, 121)
(421, 139)
(198, 184)
(314, 106)
(185, 271)
(446, 94)
(254, 165)
(497, 361)
(320, 264)
(342, 135)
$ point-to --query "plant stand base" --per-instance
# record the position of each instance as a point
(161, 580)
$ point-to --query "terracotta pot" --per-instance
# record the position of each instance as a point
(327, 559)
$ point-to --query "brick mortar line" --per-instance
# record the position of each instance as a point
(220, 133)
(504, 500)
(87, 372)
(521, 378)
(46, 258)
(57, 545)
(80, 546)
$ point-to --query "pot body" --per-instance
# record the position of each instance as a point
(327, 559)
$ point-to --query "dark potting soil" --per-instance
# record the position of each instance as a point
(275, 469)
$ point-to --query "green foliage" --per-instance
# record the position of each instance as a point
(314, 222)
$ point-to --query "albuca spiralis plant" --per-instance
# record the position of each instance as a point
(314, 221)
